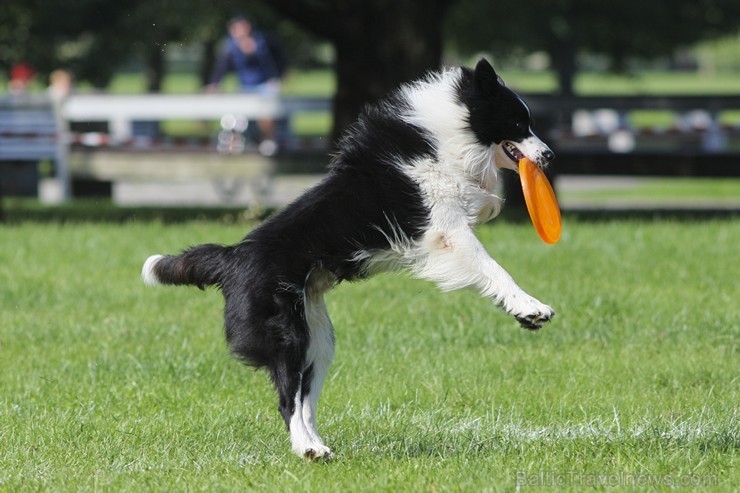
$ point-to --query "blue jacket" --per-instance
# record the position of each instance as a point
(251, 70)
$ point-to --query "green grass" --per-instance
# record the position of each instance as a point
(322, 83)
(649, 82)
(108, 385)
(296, 83)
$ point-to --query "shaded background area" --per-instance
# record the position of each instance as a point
(372, 46)
(642, 59)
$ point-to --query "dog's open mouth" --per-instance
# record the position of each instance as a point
(512, 151)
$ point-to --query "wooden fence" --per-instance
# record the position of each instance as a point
(700, 135)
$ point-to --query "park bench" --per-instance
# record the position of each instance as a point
(29, 133)
(121, 112)
(131, 151)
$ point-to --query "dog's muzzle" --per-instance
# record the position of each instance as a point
(547, 156)
(532, 148)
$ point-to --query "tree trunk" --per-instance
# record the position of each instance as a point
(564, 58)
(208, 61)
(378, 44)
(155, 67)
(381, 49)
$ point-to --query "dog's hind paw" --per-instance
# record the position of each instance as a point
(318, 452)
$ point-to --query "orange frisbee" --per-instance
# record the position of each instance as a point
(541, 202)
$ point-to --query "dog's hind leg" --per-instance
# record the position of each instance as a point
(287, 375)
(319, 357)
(298, 369)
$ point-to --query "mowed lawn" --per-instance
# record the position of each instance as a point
(109, 385)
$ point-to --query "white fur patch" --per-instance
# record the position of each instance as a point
(147, 272)
(301, 442)
(465, 170)
(319, 355)
(435, 108)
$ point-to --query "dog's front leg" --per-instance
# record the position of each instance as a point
(456, 259)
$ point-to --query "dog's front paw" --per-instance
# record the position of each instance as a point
(531, 313)
(535, 321)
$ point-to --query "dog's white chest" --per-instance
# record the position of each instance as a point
(449, 191)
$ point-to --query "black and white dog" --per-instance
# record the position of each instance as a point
(410, 180)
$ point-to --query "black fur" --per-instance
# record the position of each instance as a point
(483, 92)
(203, 265)
(262, 277)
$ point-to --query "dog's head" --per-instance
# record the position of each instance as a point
(500, 118)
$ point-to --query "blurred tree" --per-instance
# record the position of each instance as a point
(83, 35)
(563, 28)
(378, 44)
(95, 38)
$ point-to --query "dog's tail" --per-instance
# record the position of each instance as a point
(203, 265)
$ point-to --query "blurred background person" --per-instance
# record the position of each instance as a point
(257, 60)
(21, 76)
(60, 84)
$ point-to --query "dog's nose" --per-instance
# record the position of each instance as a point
(548, 155)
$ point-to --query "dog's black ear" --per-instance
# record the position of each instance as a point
(486, 78)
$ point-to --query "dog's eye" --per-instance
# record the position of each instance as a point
(521, 126)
